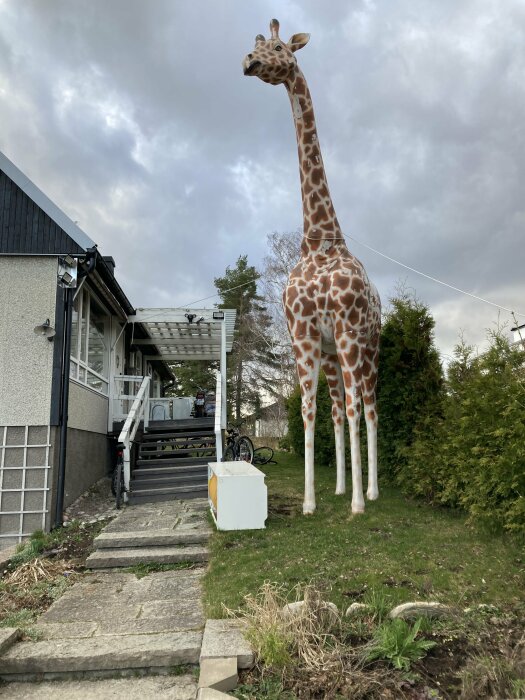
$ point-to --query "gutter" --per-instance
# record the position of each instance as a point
(69, 293)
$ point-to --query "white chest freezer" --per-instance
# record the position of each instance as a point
(238, 496)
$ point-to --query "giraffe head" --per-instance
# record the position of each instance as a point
(272, 60)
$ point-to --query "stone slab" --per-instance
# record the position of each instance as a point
(152, 625)
(224, 638)
(211, 694)
(8, 636)
(66, 630)
(108, 652)
(219, 674)
(158, 687)
(152, 538)
(109, 558)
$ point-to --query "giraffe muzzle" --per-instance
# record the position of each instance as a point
(252, 67)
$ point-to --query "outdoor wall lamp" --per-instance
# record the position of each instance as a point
(191, 317)
(46, 330)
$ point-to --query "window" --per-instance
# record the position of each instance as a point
(89, 342)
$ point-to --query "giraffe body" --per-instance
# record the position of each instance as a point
(332, 309)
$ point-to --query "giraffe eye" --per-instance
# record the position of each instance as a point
(278, 48)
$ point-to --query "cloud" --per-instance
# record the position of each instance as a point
(136, 119)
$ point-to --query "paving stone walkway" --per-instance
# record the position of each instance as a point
(158, 687)
(115, 622)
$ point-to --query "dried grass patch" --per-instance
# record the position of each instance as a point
(305, 649)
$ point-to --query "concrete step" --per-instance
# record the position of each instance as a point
(100, 654)
(147, 437)
(154, 497)
(151, 538)
(111, 558)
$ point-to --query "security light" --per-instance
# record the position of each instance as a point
(68, 260)
(46, 330)
(66, 278)
(191, 317)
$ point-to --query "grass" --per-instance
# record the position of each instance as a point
(400, 548)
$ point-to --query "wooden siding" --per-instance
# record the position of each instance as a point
(25, 229)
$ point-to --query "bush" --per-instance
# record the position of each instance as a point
(410, 379)
(472, 456)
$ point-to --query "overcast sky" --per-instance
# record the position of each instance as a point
(135, 118)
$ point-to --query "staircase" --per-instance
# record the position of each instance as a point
(173, 460)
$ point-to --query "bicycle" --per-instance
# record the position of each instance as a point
(238, 447)
(118, 487)
(263, 455)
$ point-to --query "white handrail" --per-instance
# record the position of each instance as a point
(218, 418)
(139, 411)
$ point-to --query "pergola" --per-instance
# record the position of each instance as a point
(188, 334)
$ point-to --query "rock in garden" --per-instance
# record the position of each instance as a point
(410, 611)
(325, 608)
(357, 609)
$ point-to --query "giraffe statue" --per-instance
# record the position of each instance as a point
(333, 310)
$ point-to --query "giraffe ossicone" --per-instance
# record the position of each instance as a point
(332, 309)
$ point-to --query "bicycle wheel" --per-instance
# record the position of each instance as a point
(262, 455)
(119, 484)
(229, 455)
(245, 449)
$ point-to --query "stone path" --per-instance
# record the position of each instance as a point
(158, 687)
(112, 622)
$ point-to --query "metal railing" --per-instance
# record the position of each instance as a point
(139, 411)
(126, 389)
(218, 418)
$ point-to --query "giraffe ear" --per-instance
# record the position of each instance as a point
(297, 41)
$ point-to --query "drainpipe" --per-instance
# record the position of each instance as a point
(64, 398)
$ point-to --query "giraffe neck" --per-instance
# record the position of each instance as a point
(320, 220)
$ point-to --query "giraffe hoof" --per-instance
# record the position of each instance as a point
(358, 510)
(340, 492)
(372, 495)
(308, 510)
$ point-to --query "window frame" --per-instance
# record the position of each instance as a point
(80, 371)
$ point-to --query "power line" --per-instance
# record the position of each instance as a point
(397, 262)
(434, 279)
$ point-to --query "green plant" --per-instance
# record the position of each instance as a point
(395, 641)
(378, 602)
(471, 456)
(410, 378)
(265, 689)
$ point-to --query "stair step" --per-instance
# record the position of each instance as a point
(102, 653)
(158, 495)
(173, 490)
(168, 481)
(111, 558)
(188, 424)
(163, 436)
(173, 453)
(170, 470)
(182, 461)
(152, 538)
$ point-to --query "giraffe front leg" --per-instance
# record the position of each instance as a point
(308, 371)
(334, 377)
(370, 366)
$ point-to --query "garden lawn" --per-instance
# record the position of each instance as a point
(402, 547)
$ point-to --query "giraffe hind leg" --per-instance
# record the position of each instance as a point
(334, 377)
